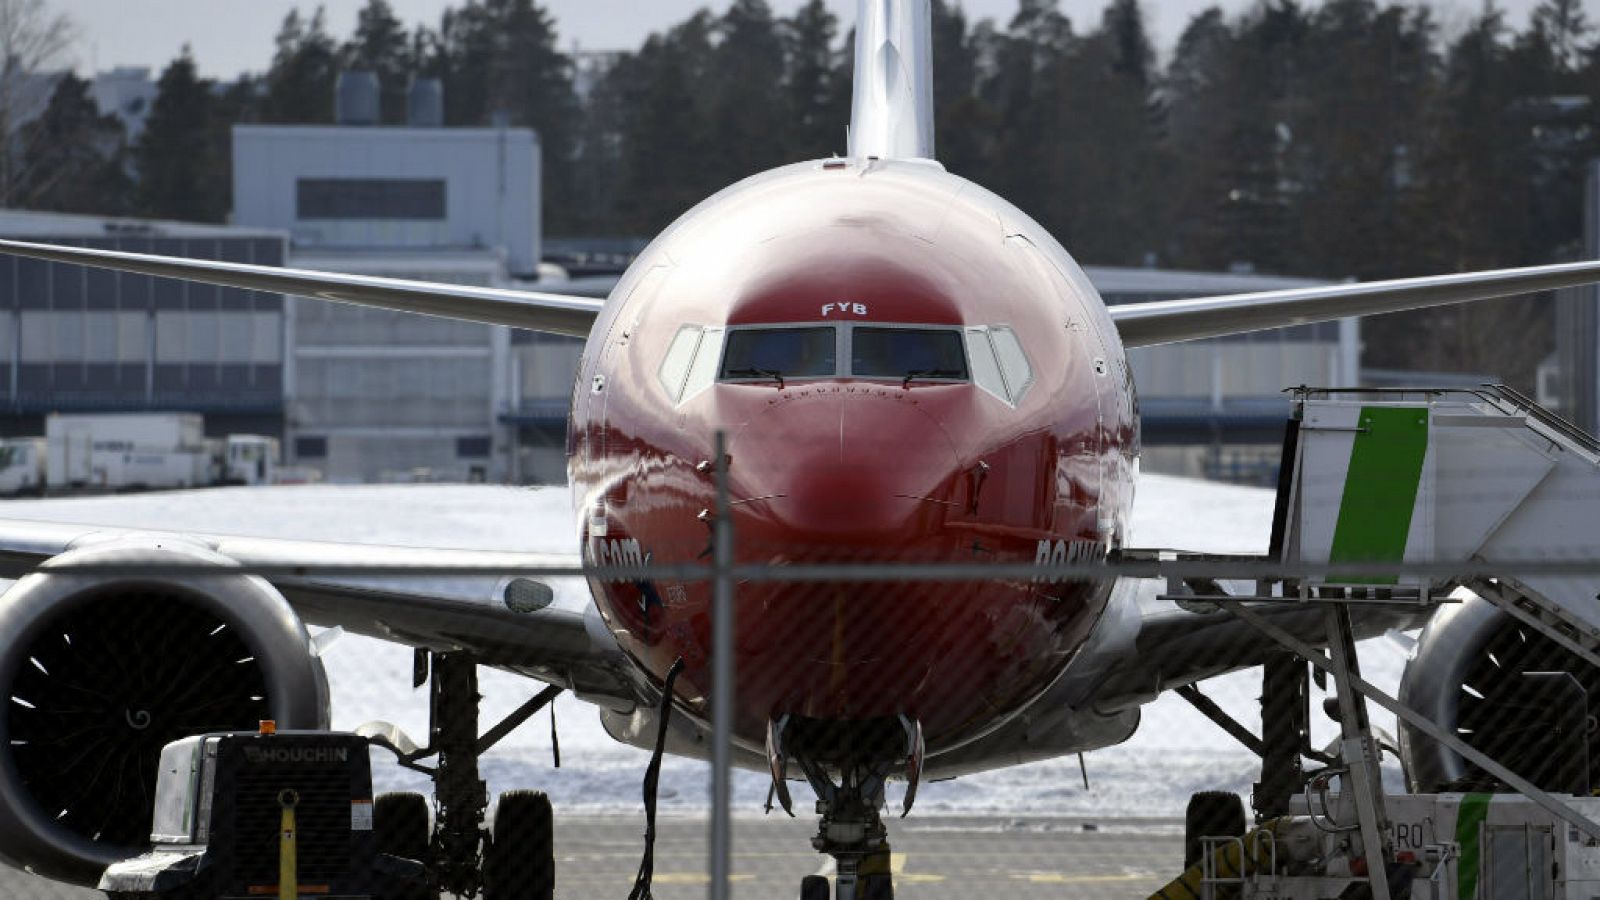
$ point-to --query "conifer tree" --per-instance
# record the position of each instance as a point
(964, 127)
(817, 121)
(305, 69)
(751, 115)
(182, 172)
(75, 158)
(665, 138)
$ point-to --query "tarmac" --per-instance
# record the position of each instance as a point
(933, 857)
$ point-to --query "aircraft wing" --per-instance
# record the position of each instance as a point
(551, 313)
(1140, 324)
(543, 630)
(1169, 321)
(1174, 647)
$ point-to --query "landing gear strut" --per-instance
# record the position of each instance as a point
(852, 832)
(462, 796)
(460, 842)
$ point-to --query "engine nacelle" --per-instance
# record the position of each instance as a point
(98, 673)
(1502, 687)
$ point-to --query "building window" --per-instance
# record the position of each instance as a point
(311, 447)
(370, 198)
(472, 447)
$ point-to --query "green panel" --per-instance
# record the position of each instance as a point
(1469, 837)
(1380, 489)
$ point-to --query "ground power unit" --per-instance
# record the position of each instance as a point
(1472, 846)
(268, 815)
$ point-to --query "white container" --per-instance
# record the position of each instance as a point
(115, 451)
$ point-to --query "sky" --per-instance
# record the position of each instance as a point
(231, 36)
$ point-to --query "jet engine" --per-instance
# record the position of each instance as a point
(1511, 693)
(98, 671)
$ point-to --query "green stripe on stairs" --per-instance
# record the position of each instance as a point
(1469, 834)
(1380, 488)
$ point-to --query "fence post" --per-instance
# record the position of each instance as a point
(722, 679)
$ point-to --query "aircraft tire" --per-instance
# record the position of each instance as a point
(400, 827)
(815, 887)
(1210, 813)
(520, 863)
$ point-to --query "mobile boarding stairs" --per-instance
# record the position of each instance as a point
(1400, 497)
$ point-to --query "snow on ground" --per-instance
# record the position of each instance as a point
(1176, 751)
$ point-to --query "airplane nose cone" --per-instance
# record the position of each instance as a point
(881, 482)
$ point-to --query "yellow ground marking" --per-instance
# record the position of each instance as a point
(897, 868)
(1063, 878)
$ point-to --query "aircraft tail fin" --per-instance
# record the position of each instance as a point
(892, 111)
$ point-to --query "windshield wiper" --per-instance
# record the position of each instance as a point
(930, 373)
(757, 373)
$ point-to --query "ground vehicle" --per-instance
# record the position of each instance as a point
(22, 466)
(117, 451)
(143, 451)
(224, 803)
(247, 459)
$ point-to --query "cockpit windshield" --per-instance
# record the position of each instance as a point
(779, 353)
(908, 353)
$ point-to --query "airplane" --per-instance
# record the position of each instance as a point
(906, 367)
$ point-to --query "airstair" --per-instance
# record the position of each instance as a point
(1406, 497)
(1447, 482)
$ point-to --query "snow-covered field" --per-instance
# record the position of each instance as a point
(1175, 752)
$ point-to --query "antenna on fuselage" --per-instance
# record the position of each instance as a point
(892, 112)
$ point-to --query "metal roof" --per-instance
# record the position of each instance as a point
(18, 223)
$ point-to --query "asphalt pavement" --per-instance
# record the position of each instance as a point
(933, 857)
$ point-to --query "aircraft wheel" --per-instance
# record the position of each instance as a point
(400, 828)
(1210, 813)
(815, 887)
(520, 863)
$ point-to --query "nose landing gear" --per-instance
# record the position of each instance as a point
(852, 832)
(850, 794)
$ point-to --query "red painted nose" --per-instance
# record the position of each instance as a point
(844, 472)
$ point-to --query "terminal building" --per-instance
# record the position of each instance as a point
(376, 395)
(83, 340)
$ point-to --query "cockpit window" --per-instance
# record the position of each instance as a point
(1013, 362)
(989, 356)
(923, 353)
(676, 364)
(704, 369)
(762, 354)
(999, 364)
(985, 365)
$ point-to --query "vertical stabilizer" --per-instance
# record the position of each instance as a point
(892, 117)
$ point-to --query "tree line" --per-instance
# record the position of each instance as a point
(1333, 139)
